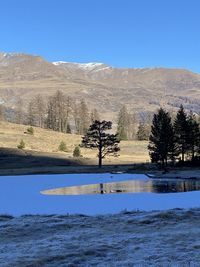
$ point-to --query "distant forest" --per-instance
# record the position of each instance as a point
(62, 113)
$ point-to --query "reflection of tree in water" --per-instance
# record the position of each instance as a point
(154, 186)
(174, 186)
(108, 188)
(101, 189)
(130, 186)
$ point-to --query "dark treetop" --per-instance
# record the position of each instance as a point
(97, 138)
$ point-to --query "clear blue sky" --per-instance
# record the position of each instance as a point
(122, 33)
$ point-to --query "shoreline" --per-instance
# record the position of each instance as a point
(14, 162)
(177, 173)
(67, 170)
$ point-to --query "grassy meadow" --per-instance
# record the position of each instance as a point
(47, 141)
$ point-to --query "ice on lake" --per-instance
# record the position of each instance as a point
(94, 194)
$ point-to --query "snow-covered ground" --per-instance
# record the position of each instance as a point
(170, 238)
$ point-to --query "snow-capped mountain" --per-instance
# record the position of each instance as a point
(102, 86)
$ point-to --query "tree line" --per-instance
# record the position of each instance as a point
(58, 112)
(62, 113)
(172, 140)
(172, 136)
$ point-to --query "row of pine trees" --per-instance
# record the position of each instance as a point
(174, 140)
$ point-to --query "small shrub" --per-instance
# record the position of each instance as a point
(77, 152)
(21, 144)
(62, 146)
(30, 130)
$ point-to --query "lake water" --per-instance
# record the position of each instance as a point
(94, 194)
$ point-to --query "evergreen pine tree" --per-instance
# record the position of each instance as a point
(77, 152)
(181, 132)
(98, 138)
(161, 141)
(62, 146)
(21, 144)
(30, 130)
(193, 135)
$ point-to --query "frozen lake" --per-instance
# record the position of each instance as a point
(21, 194)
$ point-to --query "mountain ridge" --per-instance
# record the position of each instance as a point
(104, 87)
(98, 63)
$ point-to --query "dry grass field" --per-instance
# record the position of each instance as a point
(47, 141)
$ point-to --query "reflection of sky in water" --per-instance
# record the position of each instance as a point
(21, 195)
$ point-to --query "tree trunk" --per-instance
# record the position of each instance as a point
(100, 161)
(166, 163)
(163, 163)
(100, 155)
(193, 153)
(183, 155)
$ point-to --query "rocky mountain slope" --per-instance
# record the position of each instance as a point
(103, 86)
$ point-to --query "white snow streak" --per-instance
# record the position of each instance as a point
(84, 66)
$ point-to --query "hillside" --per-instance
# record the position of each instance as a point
(45, 143)
(103, 86)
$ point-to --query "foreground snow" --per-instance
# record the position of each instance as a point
(167, 238)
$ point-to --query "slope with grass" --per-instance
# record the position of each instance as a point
(48, 141)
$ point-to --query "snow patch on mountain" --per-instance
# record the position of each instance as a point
(57, 63)
(9, 58)
(85, 66)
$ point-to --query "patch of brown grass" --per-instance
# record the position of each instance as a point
(48, 141)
